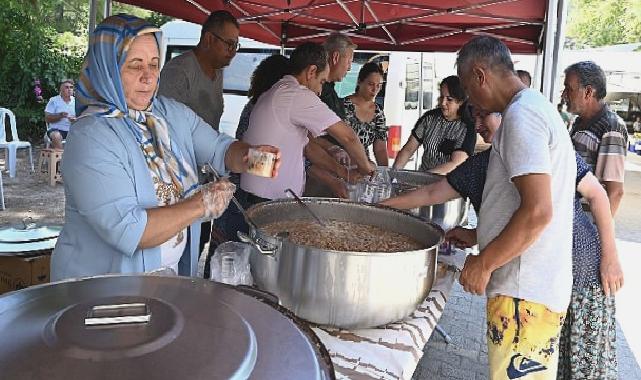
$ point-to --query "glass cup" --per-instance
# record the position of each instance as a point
(261, 163)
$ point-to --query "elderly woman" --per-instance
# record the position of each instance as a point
(446, 132)
(133, 203)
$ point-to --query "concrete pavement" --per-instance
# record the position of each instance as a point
(465, 358)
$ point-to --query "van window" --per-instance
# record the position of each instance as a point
(411, 85)
(174, 51)
(237, 75)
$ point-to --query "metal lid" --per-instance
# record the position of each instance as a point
(28, 232)
(132, 327)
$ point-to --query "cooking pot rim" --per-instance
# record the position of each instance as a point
(263, 235)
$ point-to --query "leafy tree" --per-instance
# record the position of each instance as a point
(45, 40)
(32, 50)
(604, 22)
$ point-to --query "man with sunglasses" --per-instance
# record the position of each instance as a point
(195, 78)
(60, 113)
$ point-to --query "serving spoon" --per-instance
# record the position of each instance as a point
(303, 205)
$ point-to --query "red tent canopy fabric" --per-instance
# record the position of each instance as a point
(407, 25)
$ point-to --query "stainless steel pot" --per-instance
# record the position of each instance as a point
(136, 327)
(447, 215)
(344, 289)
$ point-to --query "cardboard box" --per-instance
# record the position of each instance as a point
(19, 272)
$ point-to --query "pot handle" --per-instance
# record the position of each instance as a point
(265, 248)
(118, 314)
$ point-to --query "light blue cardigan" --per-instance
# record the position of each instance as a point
(108, 187)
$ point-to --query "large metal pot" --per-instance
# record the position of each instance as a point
(344, 289)
(447, 215)
(136, 327)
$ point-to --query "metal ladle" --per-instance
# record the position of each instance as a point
(207, 168)
(303, 205)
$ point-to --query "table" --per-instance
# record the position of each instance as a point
(394, 350)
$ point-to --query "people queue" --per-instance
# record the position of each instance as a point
(135, 197)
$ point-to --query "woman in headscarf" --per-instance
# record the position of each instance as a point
(133, 203)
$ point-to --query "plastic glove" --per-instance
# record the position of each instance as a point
(216, 197)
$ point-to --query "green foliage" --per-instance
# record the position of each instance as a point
(32, 50)
(604, 22)
(45, 40)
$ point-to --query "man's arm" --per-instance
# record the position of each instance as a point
(523, 229)
(434, 193)
(615, 193)
(55, 117)
(348, 139)
(319, 157)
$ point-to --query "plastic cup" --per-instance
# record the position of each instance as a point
(261, 163)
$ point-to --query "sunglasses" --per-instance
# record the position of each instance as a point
(232, 45)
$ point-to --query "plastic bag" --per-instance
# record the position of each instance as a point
(230, 264)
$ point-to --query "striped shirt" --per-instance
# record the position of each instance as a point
(440, 138)
(602, 143)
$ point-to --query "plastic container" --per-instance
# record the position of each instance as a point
(261, 163)
(230, 264)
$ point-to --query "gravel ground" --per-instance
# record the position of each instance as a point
(29, 194)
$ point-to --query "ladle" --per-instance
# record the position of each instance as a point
(303, 205)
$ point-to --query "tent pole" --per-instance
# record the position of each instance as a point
(107, 10)
(283, 37)
(92, 15)
(549, 48)
(558, 48)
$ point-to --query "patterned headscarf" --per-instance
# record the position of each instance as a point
(100, 93)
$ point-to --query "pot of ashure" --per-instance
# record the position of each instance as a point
(370, 266)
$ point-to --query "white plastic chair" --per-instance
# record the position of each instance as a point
(1, 193)
(11, 146)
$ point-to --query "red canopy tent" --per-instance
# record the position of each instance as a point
(410, 25)
(526, 26)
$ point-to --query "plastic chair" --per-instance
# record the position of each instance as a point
(1, 193)
(11, 147)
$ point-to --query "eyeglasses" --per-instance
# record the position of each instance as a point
(232, 45)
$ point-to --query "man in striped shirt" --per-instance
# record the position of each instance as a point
(598, 134)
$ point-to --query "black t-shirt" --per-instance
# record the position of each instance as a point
(330, 97)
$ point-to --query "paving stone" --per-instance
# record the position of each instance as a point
(466, 357)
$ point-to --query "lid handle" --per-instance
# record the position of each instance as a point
(28, 223)
(118, 314)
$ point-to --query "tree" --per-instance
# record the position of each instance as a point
(595, 23)
(44, 40)
(32, 50)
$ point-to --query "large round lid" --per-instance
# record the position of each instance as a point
(28, 232)
(133, 327)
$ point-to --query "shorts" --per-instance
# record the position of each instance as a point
(522, 339)
(63, 133)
